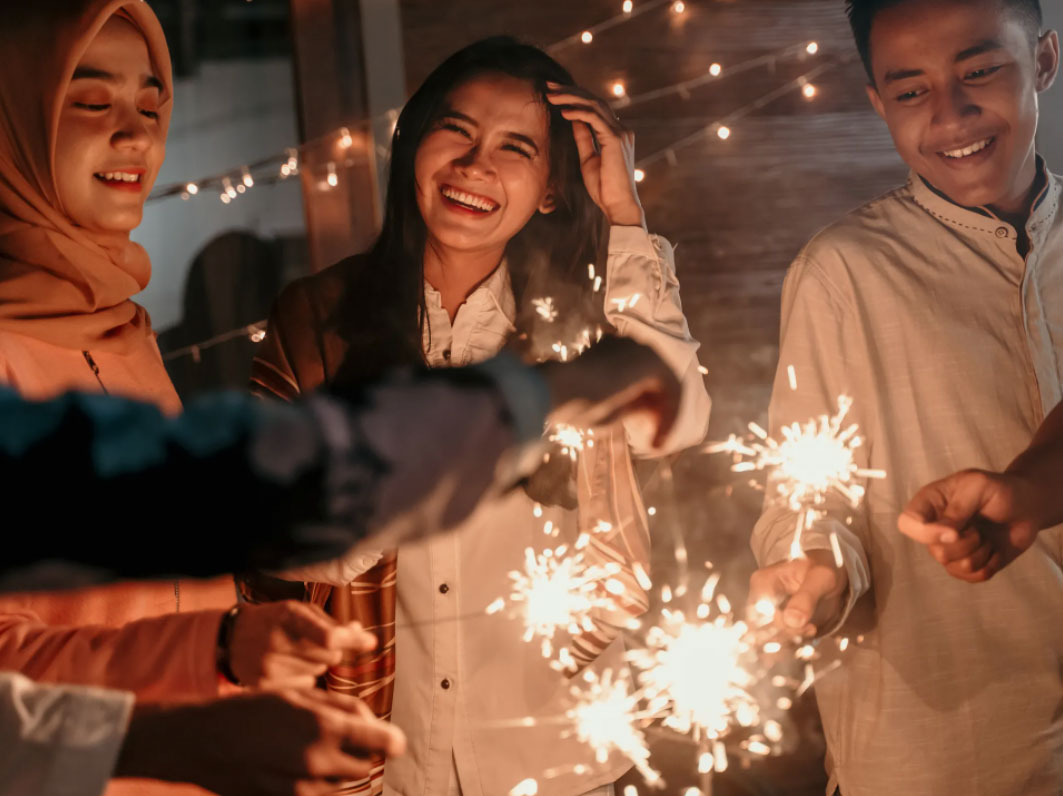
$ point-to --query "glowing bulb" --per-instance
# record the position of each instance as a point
(640, 175)
(586, 37)
(346, 140)
(285, 170)
(812, 48)
(809, 91)
(715, 70)
(628, 6)
(723, 132)
(192, 188)
(249, 181)
(618, 89)
(225, 198)
(678, 7)
(332, 179)
(258, 335)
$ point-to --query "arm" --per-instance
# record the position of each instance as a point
(817, 340)
(643, 266)
(58, 740)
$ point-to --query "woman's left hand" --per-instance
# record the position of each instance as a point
(608, 167)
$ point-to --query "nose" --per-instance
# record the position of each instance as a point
(132, 133)
(955, 107)
(474, 164)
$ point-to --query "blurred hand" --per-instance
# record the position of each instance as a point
(286, 743)
(612, 380)
(606, 153)
(975, 522)
(807, 592)
(290, 644)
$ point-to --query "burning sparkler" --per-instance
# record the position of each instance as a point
(560, 592)
(571, 439)
(545, 308)
(811, 462)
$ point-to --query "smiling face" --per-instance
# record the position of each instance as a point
(483, 169)
(957, 82)
(109, 145)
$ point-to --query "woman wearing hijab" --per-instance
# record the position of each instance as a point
(85, 99)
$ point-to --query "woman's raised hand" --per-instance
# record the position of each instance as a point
(606, 153)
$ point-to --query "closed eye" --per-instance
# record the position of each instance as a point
(150, 114)
(519, 150)
(90, 107)
(981, 73)
(908, 96)
(455, 128)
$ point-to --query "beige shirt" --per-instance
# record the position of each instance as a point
(951, 346)
(462, 676)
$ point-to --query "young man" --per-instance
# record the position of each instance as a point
(935, 308)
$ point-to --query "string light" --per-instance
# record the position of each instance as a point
(586, 37)
(628, 6)
(678, 7)
(640, 175)
(249, 181)
(192, 189)
(809, 91)
(333, 179)
(812, 48)
(723, 132)
(346, 139)
(618, 89)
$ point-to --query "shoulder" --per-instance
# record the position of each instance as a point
(316, 296)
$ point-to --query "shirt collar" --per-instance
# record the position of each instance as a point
(981, 219)
(494, 293)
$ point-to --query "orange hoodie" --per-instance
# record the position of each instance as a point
(67, 322)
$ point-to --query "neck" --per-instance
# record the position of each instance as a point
(1016, 208)
(457, 274)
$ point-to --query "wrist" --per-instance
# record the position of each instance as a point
(223, 648)
(148, 750)
(626, 216)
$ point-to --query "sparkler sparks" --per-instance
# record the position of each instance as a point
(571, 439)
(545, 308)
(560, 592)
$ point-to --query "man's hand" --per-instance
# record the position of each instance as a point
(286, 743)
(290, 644)
(974, 522)
(807, 592)
(613, 379)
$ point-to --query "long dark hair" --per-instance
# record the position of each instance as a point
(382, 314)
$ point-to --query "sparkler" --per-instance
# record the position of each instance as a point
(560, 592)
(811, 462)
(571, 439)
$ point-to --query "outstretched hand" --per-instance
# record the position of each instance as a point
(974, 522)
(807, 591)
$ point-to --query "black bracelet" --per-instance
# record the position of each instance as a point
(225, 637)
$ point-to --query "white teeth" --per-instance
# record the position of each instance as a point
(469, 200)
(119, 176)
(968, 151)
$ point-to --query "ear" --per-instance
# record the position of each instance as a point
(548, 204)
(876, 100)
(1047, 60)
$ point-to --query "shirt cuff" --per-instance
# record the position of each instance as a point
(634, 240)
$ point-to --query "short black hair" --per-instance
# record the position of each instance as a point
(862, 15)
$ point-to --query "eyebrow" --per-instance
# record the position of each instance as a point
(450, 113)
(91, 73)
(989, 45)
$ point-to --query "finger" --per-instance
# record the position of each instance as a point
(607, 132)
(584, 142)
(801, 607)
(297, 682)
(367, 736)
(968, 542)
(919, 518)
(970, 564)
(310, 625)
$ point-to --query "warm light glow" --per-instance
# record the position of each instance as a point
(809, 91)
(192, 188)
(628, 6)
(723, 132)
(618, 89)
(586, 37)
(812, 48)
(346, 140)
(332, 179)
(678, 7)
(715, 70)
(640, 175)
(249, 181)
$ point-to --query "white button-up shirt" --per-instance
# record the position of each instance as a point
(951, 345)
(464, 677)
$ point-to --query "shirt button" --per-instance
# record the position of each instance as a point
(443, 588)
(446, 355)
(445, 684)
(1002, 232)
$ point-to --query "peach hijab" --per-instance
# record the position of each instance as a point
(61, 283)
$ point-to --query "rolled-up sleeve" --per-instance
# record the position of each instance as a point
(642, 302)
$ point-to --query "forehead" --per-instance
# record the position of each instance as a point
(119, 48)
(501, 101)
(915, 33)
